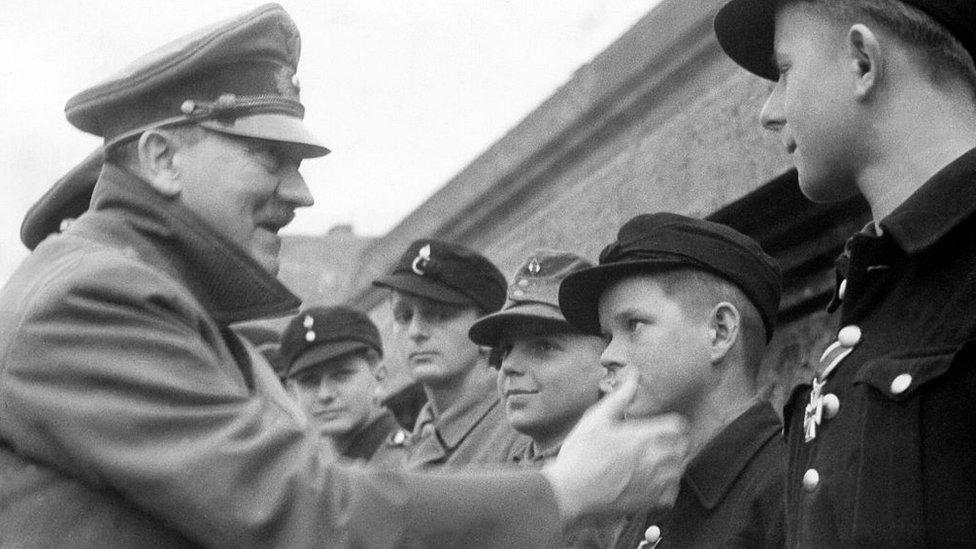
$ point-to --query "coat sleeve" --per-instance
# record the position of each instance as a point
(114, 377)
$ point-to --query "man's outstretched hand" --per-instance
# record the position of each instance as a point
(609, 465)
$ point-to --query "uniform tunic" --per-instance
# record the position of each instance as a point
(131, 416)
(731, 494)
(472, 432)
(893, 459)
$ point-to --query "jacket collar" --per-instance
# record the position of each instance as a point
(363, 443)
(711, 474)
(454, 424)
(938, 206)
(227, 282)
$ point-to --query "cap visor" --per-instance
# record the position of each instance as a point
(423, 287)
(745, 29)
(488, 330)
(274, 127)
(322, 353)
(580, 292)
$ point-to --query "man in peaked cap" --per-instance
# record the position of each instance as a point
(328, 355)
(878, 97)
(691, 304)
(549, 372)
(133, 415)
(439, 289)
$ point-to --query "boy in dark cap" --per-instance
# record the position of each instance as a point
(878, 97)
(549, 371)
(439, 290)
(133, 415)
(691, 305)
(328, 355)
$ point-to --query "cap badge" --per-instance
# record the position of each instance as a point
(286, 81)
(420, 262)
(308, 321)
(534, 266)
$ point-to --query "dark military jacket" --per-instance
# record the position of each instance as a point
(731, 494)
(893, 459)
(380, 443)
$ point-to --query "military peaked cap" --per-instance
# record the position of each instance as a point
(236, 77)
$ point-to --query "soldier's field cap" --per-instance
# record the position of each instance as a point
(320, 334)
(235, 77)
(449, 273)
(68, 198)
(533, 296)
(745, 29)
(656, 242)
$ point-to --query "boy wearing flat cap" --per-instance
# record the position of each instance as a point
(131, 412)
(878, 97)
(548, 371)
(328, 355)
(691, 305)
(439, 289)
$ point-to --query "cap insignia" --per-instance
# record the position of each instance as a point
(534, 266)
(420, 262)
(286, 82)
(308, 321)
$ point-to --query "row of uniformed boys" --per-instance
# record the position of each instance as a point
(688, 303)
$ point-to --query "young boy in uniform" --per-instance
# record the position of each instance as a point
(878, 97)
(549, 372)
(691, 305)
(328, 355)
(439, 289)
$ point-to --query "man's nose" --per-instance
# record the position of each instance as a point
(771, 116)
(294, 190)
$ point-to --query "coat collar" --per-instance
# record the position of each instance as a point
(227, 282)
(937, 207)
(711, 474)
(454, 424)
(363, 443)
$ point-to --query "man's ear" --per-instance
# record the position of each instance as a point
(156, 149)
(866, 61)
(724, 323)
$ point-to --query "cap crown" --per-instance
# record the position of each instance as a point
(448, 272)
(327, 327)
(537, 279)
(242, 66)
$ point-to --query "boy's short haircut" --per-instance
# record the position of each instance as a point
(701, 290)
(940, 31)
(942, 54)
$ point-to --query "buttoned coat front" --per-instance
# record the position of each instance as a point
(130, 416)
(892, 463)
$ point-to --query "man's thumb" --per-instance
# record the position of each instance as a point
(614, 404)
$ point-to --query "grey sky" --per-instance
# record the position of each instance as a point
(404, 93)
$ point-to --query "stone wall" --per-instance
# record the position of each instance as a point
(660, 121)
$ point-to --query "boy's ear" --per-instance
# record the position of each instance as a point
(156, 149)
(866, 60)
(724, 323)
